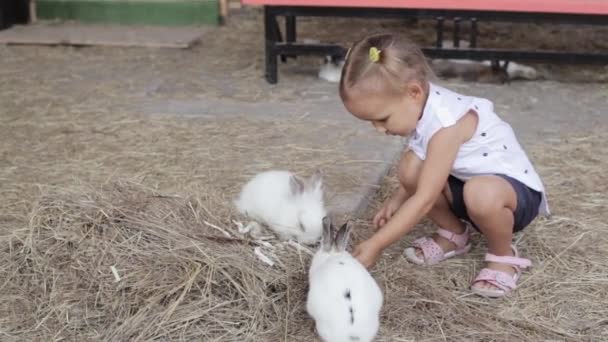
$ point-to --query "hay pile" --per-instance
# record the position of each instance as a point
(563, 297)
(68, 214)
(182, 276)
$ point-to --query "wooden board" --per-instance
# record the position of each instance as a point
(599, 7)
(102, 34)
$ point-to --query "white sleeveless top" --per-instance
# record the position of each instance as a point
(493, 149)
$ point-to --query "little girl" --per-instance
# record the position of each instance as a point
(464, 167)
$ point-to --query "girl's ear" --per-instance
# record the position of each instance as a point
(415, 91)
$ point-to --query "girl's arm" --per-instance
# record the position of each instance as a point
(390, 206)
(442, 151)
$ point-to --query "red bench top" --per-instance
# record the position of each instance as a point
(543, 6)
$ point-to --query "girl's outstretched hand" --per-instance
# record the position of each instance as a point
(390, 206)
(367, 253)
(386, 212)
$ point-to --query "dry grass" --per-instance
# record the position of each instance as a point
(179, 275)
(84, 187)
(564, 297)
(184, 279)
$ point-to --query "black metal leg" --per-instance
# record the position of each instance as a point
(439, 42)
(290, 34)
(473, 33)
(2, 21)
(456, 32)
(279, 37)
(290, 28)
(270, 24)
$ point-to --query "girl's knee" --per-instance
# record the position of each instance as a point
(486, 195)
(408, 171)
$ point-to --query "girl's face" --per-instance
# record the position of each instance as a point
(394, 115)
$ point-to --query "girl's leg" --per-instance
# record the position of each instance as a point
(491, 202)
(441, 214)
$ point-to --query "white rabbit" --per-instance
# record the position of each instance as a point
(331, 70)
(480, 70)
(291, 207)
(343, 298)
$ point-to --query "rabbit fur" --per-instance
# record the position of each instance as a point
(331, 69)
(343, 298)
(291, 207)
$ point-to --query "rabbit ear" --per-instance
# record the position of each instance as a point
(343, 235)
(296, 185)
(316, 181)
(327, 239)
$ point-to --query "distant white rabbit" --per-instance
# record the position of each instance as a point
(291, 207)
(331, 70)
(472, 70)
(343, 298)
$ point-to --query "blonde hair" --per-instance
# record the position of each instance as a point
(398, 62)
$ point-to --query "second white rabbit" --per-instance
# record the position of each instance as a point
(291, 207)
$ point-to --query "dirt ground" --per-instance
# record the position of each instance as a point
(199, 122)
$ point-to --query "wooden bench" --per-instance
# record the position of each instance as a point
(588, 12)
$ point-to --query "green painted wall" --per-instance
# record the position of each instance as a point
(149, 12)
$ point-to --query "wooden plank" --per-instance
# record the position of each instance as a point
(33, 13)
(223, 8)
(598, 7)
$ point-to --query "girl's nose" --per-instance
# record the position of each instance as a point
(379, 127)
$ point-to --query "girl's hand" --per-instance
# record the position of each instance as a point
(384, 214)
(388, 209)
(441, 154)
(367, 253)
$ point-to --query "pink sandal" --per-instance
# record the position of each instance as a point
(432, 252)
(505, 282)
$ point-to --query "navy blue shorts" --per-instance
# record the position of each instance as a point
(528, 202)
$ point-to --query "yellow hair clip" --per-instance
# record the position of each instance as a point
(374, 54)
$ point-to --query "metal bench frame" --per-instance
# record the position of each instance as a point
(276, 46)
